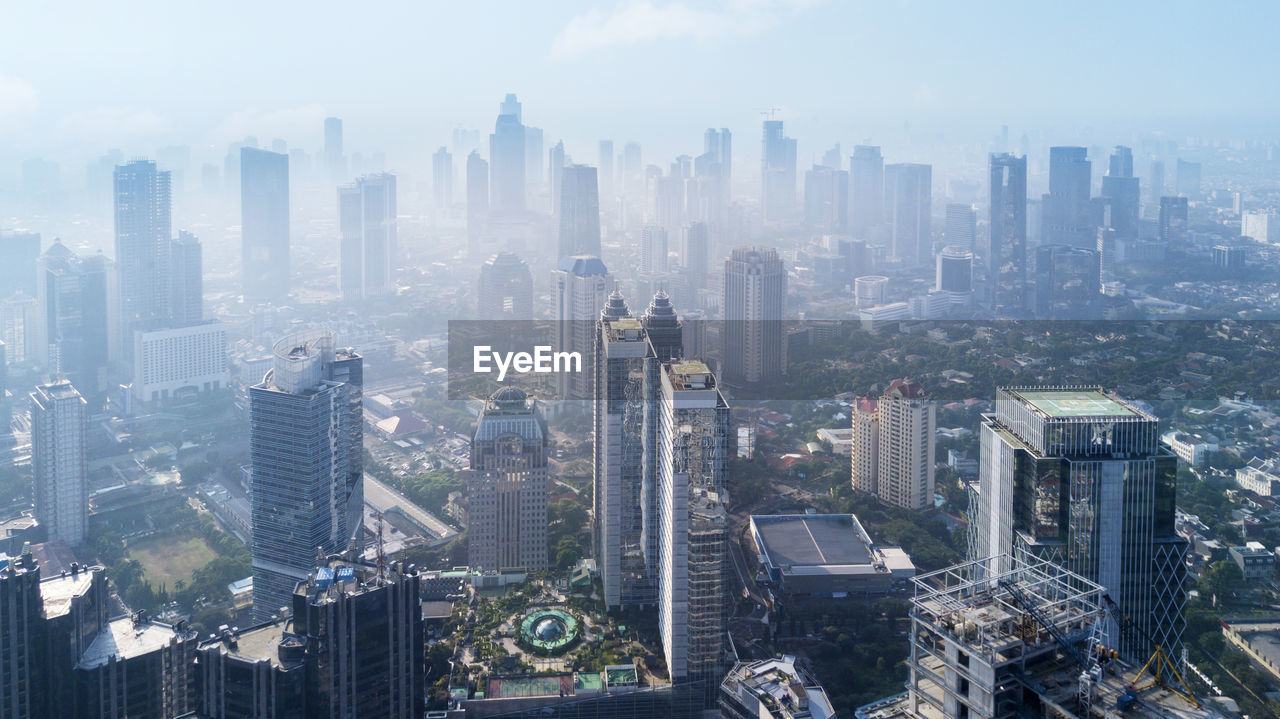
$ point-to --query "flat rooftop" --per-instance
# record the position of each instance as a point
(1073, 403)
(256, 643)
(811, 539)
(57, 592)
(122, 638)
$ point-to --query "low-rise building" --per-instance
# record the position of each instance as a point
(170, 362)
(826, 555)
(772, 689)
(1190, 448)
(1262, 477)
(1254, 560)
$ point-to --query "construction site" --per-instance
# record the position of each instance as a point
(1027, 642)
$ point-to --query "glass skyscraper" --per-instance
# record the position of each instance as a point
(264, 224)
(144, 228)
(579, 212)
(1005, 255)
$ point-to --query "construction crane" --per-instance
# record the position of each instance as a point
(1022, 600)
(1159, 658)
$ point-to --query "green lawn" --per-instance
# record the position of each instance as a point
(167, 558)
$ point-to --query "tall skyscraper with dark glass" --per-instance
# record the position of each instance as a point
(579, 212)
(866, 190)
(1005, 256)
(442, 178)
(71, 335)
(367, 237)
(59, 472)
(306, 454)
(753, 300)
(507, 163)
(264, 225)
(777, 173)
(908, 193)
(1077, 476)
(1068, 216)
(144, 228)
(1068, 282)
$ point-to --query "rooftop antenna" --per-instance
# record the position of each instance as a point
(382, 555)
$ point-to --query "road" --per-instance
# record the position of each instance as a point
(383, 498)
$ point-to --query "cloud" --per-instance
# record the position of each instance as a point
(17, 96)
(113, 124)
(635, 22)
(286, 122)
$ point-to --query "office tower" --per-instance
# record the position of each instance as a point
(18, 326)
(668, 203)
(505, 289)
(719, 144)
(653, 249)
(186, 268)
(1173, 217)
(19, 250)
(1187, 181)
(866, 190)
(954, 273)
(753, 300)
(826, 199)
(1068, 282)
(335, 163)
(777, 173)
(507, 163)
(907, 196)
(1078, 477)
(1229, 257)
(1120, 164)
(511, 106)
(137, 668)
(1068, 217)
(179, 361)
(695, 254)
(555, 169)
(706, 199)
(1257, 225)
(832, 157)
(604, 161)
(865, 446)
(477, 200)
(306, 458)
(1122, 194)
(143, 230)
(579, 286)
(367, 242)
(633, 176)
(59, 473)
(22, 673)
(1005, 256)
(693, 533)
(907, 420)
(70, 337)
(1107, 249)
(533, 175)
(264, 225)
(1155, 184)
(507, 485)
(961, 226)
(870, 290)
(579, 212)
(442, 178)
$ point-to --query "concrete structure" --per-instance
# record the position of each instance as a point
(772, 689)
(507, 163)
(752, 303)
(1005, 254)
(1256, 562)
(870, 290)
(507, 485)
(826, 555)
(874, 319)
(367, 237)
(137, 668)
(907, 203)
(961, 226)
(143, 229)
(59, 472)
(442, 178)
(264, 225)
(841, 440)
(183, 360)
(906, 420)
(1260, 476)
(1260, 226)
(71, 337)
(866, 190)
(778, 173)
(1258, 639)
(865, 446)
(579, 212)
(579, 286)
(1190, 448)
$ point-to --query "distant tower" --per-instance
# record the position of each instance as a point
(961, 224)
(1005, 255)
(367, 237)
(1121, 191)
(579, 212)
(653, 249)
(477, 200)
(866, 190)
(865, 454)
(826, 199)
(606, 176)
(695, 254)
(579, 286)
(1068, 216)
(70, 338)
(335, 163)
(143, 225)
(58, 415)
(507, 161)
(186, 266)
(719, 143)
(555, 169)
(753, 300)
(505, 289)
(19, 250)
(306, 456)
(507, 485)
(442, 178)
(907, 196)
(778, 173)
(264, 225)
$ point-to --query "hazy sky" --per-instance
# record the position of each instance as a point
(137, 75)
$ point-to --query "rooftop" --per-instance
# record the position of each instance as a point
(59, 590)
(256, 643)
(811, 539)
(1075, 403)
(126, 639)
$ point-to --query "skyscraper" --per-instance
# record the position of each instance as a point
(1078, 477)
(507, 485)
(442, 178)
(864, 452)
(1155, 185)
(264, 225)
(954, 273)
(653, 249)
(505, 289)
(143, 227)
(777, 173)
(1068, 282)
(306, 458)
(826, 199)
(555, 170)
(1173, 216)
(477, 200)
(606, 175)
(507, 163)
(1120, 164)
(866, 190)
(186, 267)
(754, 297)
(18, 252)
(534, 175)
(335, 163)
(579, 286)
(1067, 215)
(60, 475)
(1005, 255)
(579, 212)
(1187, 180)
(367, 242)
(695, 254)
(70, 337)
(693, 531)
(1120, 190)
(908, 189)
(904, 423)
(719, 144)
(961, 226)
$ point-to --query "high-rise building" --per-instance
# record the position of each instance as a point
(905, 422)
(1187, 181)
(60, 475)
(135, 667)
(907, 197)
(505, 289)
(335, 163)
(71, 337)
(264, 225)
(653, 249)
(555, 170)
(695, 254)
(507, 163)
(1121, 191)
(306, 461)
(1173, 217)
(179, 361)
(668, 203)
(865, 447)
(1257, 225)
(752, 302)
(18, 323)
(954, 273)
(579, 286)
(533, 176)
(1068, 282)
(777, 173)
(719, 144)
(186, 267)
(143, 229)
(477, 200)
(1120, 164)
(633, 176)
(605, 163)
(693, 530)
(367, 237)
(866, 190)
(19, 250)
(961, 226)
(773, 688)
(1078, 477)
(442, 178)
(826, 199)
(579, 212)
(1067, 216)
(1155, 185)
(1005, 256)
(507, 485)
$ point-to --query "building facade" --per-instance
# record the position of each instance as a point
(182, 360)
(58, 416)
(753, 300)
(264, 225)
(367, 237)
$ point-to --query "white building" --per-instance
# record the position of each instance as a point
(579, 286)
(908, 420)
(57, 459)
(1259, 476)
(877, 318)
(870, 290)
(864, 451)
(182, 359)
(1190, 448)
(1260, 225)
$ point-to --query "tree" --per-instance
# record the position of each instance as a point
(1221, 577)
